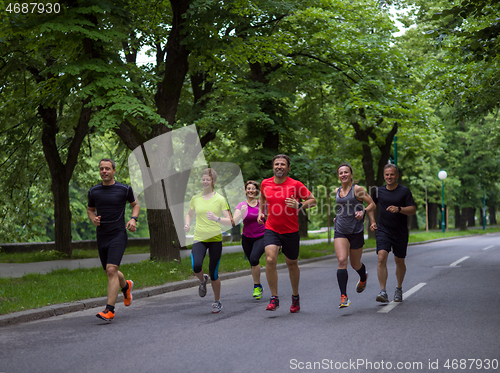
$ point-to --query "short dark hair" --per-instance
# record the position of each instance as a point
(389, 165)
(108, 160)
(210, 172)
(344, 165)
(254, 183)
(284, 156)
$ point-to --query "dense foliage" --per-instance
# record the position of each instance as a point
(323, 81)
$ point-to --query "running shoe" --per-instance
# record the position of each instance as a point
(216, 306)
(202, 290)
(398, 295)
(382, 297)
(361, 285)
(257, 292)
(106, 315)
(295, 305)
(274, 303)
(344, 301)
(127, 295)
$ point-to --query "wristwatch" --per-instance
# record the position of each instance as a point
(399, 208)
(218, 219)
(134, 217)
(300, 206)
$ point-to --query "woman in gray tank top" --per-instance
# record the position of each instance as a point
(349, 230)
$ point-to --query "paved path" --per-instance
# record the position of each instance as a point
(20, 269)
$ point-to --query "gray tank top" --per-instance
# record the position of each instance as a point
(345, 221)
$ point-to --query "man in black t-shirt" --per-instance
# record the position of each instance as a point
(106, 210)
(395, 204)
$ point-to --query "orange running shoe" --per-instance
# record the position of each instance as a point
(127, 295)
(361, 285)
(106, 315)
(344, 301)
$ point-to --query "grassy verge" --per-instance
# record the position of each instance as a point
(62, 286)
(42, 256)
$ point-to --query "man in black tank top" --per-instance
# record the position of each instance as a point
(106, 210)
(395, 203)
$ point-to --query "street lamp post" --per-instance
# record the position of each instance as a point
(442, 175)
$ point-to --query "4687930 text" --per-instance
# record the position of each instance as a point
(430, 365)
(25, 8)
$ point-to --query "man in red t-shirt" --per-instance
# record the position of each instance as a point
(282, 195)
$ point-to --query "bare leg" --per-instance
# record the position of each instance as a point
(115, 281)
(294, 273)
(271, 272)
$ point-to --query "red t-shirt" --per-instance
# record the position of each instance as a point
(281, 218)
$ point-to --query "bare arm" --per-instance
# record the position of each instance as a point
(132, 223)
(361, 194)
(262, 206)
(226, 220)
(407, 210)
(91, 213)
(187, 220)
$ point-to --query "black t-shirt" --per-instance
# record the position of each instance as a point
(110, 202)
(388, 222)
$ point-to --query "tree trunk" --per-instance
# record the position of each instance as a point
(492, 212)
(461, 223)
(62, 214)
(303, 224)
(236, 233)
(61, 173)
(471, 217)
(374, 178)
(412, 222)
(433, 209)
(164, 241)
(164, 244)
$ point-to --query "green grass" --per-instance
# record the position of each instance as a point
(64, 285)
(42, 256)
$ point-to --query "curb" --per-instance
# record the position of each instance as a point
(65, 308)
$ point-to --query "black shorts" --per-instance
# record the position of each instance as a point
(289, 242)
(111, 247)
(356, 240)
(399, 245)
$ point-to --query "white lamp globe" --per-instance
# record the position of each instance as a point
(442, 175)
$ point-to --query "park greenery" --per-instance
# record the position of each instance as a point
(325, 81)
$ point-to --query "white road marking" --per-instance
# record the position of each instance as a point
(489, 247)
(406, 294)
(459, 261)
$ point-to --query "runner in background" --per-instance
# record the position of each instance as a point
(209, 207)
(252, 239)
(395, 204)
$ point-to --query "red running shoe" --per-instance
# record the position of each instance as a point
(273, 304)
(295, 304)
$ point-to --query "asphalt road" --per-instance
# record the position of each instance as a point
(449, 320)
